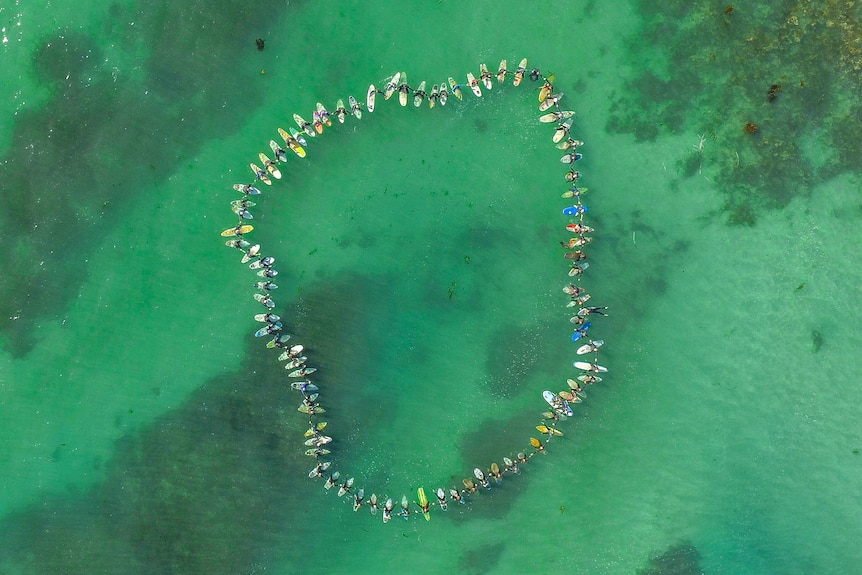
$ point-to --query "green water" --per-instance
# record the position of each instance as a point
(144, 430)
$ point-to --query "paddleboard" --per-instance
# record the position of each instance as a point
(355, 108)
(237, 231)
(588, 348)
(474, 84)
(590, 367)
(370, 97)
(519, 73)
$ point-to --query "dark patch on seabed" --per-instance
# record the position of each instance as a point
(489, 443)
(75, 163)
(206, 489)
(762, 84)
(680, 559)
(481, 560)
(209, 487)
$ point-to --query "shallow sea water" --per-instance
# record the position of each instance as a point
(146, 431)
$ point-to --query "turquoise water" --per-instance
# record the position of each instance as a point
(145, 431)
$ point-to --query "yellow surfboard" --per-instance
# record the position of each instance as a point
(423, 503)
(237, 231)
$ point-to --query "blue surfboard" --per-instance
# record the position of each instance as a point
(581, 331)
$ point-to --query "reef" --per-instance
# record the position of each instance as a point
(788, 72)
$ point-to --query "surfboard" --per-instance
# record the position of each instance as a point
(370, 97)
(317, 469)
(420, 94)
(317, 122)
(318, 441)
(270, 166)
(355, 108)
(586, 366)
(501, 72)
(579, 228)
(312, 430)
(423, 503)
(444, 94)
(292, 143)
(305, 409)
(474, 84)
(546, 88)
(549, 430)
(556, 116)
(403, 90)
(588, 348)
(302, 372)
(316, 453)
(391, 86)
(456, 89)
(562, 130)
(519, 73)
(485, 76)
(297, 385)
(575, 210)
(570, 397)
(346, 487)
(303, 125)
(340, 111)
(277, 151)
(260, 174)
(557, 403)
(550, 102)
(324, 114)
(246, 189)
(435, 95)
(237, 231)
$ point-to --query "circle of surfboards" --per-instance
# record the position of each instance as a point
(293, 355)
